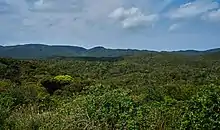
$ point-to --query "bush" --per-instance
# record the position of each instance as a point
(56, 83)
(66, 85)
(4, 84)
(113, 109)
(203, 111)
(6, 104)
(64, 78)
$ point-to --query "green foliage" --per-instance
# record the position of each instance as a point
(4, 84)
(6, 103)
(65, 84)
(203, 111)
(112, 109)
(64, 78)
(53, 84)
(152, 91)
(10, 69)
(166, 114)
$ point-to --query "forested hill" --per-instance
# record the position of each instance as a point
(37, 51)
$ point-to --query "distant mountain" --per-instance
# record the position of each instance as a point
(195, 52)
(213, 50)
(40, 51)
(189, 52)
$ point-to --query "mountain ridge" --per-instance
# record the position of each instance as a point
(38, 51)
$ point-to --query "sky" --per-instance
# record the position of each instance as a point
(135, 24)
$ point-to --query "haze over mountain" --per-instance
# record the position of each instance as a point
(36, 51)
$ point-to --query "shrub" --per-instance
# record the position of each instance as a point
(4, 84)
(111, 109)
(6, 104)
(64, 78)
(24, 94)
(203, 111)
(56, 83)
(66, 85)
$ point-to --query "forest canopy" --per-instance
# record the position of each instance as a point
(144, 91)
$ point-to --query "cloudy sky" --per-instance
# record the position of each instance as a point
(140, 24)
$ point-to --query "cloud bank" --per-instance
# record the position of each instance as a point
(133, 17)
(114, 23)
(193, 9)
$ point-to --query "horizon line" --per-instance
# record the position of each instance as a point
(88, 48)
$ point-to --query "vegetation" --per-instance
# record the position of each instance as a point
(144, 91)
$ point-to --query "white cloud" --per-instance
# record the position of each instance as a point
(213, 16)
(39, 3)
(174, 27)
(193, 9)
(133, 17)
(118, 14)
(99, 9)
(55, 6)
(139, 20)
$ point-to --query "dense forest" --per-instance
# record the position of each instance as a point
(155, 91)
